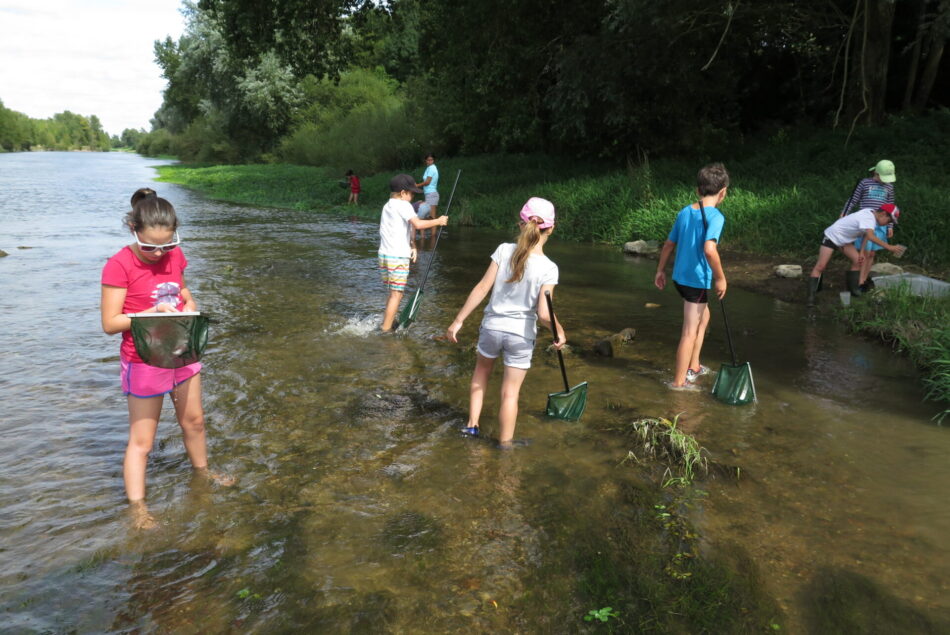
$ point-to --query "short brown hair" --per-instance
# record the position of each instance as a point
(711, 179)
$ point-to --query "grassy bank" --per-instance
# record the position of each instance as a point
(920, 327)
(787, 187)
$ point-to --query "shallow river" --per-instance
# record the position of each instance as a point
(358, 507)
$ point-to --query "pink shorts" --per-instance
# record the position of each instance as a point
(141, 380)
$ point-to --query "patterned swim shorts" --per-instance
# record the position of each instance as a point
(394, 270)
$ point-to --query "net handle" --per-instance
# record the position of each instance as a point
(722, 305)
(560, 358)
(438, 235)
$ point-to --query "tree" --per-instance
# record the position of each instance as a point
(305, 34)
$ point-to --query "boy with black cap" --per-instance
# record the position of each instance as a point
(842, 234)
(397, 227)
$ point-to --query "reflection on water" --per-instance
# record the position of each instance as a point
(359, 507)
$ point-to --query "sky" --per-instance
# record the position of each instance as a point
(91, 57)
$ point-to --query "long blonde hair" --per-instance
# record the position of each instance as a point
(529, 237)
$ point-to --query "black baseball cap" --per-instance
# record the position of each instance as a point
(402, 182)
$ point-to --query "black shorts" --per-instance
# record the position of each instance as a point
(826, 242)
(692, 294)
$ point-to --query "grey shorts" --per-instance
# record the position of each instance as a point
(517, 349)
(432, 199)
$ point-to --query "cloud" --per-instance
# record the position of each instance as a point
(93, 57)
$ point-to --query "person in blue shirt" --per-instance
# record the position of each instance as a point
(696, 268)
(430, 188)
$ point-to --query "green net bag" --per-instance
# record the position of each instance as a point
(169, 340)
(734, 385)
(569, 405)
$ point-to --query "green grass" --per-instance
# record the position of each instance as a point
(918, 326)
(786, 188)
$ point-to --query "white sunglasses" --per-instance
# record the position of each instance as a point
(149, 248)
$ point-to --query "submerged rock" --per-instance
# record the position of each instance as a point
(605, 347)
(788, 271)
(3, 253)
(886, 269)
(641, 247)
(413, 531)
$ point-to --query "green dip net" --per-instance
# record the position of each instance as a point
(169, 340)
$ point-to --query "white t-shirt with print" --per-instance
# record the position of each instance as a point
(513, 307)
(851, 227)
(394, 228)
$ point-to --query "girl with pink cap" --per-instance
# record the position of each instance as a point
(517, 278)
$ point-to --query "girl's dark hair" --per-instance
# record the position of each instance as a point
(711, 179)
(142, 192)
(349, 172)
(151, 211)
(430, 155)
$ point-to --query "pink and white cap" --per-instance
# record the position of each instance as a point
(538, 208)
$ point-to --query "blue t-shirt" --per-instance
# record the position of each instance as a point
(433, 185)
(690, 268)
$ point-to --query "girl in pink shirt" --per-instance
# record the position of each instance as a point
(147, 276)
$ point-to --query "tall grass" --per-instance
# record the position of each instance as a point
(918, 326)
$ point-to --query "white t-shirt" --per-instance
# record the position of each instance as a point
(513, 307)
(394, 228)
(851, 227)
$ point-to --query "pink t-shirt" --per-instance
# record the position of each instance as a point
(146, 286)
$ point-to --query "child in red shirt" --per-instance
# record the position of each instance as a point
(354, 188)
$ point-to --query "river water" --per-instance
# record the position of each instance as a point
(358, 507)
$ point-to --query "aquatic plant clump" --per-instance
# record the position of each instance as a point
(661, 440)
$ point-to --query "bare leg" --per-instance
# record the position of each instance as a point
(693, 313)
(866, 267)
(187, 396)
(191, 418)
(392, 305)
(852, 255)
(433, 213)
(508, 413)
(483, 368)
(700, 336)
(824, 255)
(143, 422)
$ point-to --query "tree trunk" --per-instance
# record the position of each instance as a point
(929, 76)
(880, 17)
(915, 57)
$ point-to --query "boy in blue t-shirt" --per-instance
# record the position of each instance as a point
(696, 267)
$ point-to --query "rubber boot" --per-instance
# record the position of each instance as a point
(813, 285)
(851, 280)
(868, 285)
